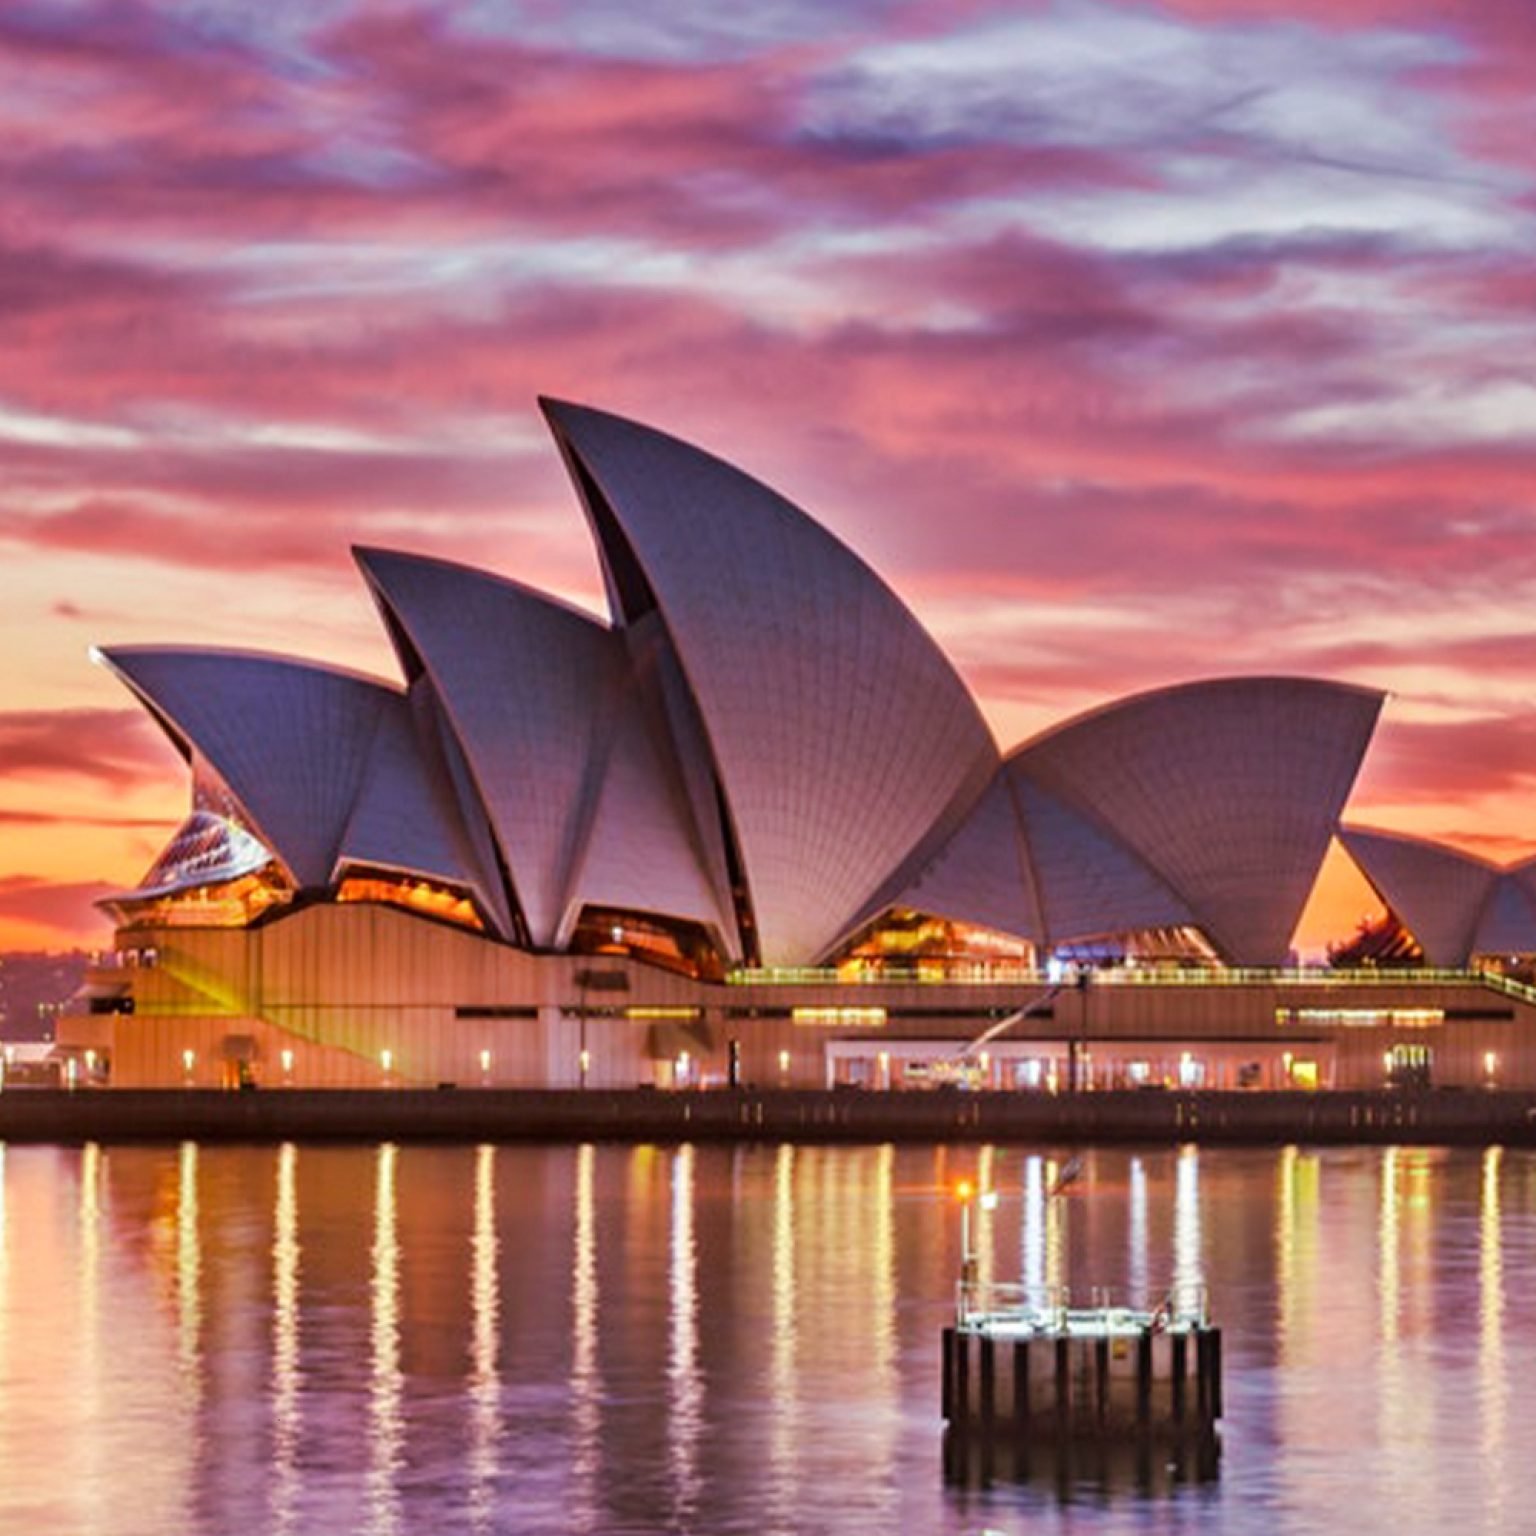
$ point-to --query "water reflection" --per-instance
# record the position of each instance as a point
(189, 1269)
(1493, 1386)
(783, 1388)
(286, 1422)
(1387, 1284)
(985, 1213)
(1188, 1268)
(1136, 1233)
(684, 1388)
(90, 1327)
(485, 1316)
(1032, 1228)
(205, 1341)
(386, 1423)
(586, 1382)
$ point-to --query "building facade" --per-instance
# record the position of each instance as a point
(751, 828)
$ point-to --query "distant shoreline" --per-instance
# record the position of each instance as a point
(1433, 1116)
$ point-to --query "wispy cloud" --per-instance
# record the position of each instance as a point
(1132, 342)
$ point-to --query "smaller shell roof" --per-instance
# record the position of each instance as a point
(1438, 891)
(1455, 903)
(540, 698)
(1228, 788)
(404, 817)
(982, 874)
(290, 739)
(1090, 883)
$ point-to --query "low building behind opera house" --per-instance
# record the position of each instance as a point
(754, 830)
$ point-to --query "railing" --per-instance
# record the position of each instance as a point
(1051, 1308)
(982, 974)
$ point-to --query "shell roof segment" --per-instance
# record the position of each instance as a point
(539, 697)
(404, 817)
(1228, 789)
(1439, 892)
(1090, 884)
(290, 739)
(982, 874)
(841, 734)
(524, 681)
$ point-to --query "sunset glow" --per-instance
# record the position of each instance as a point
(1131, 343)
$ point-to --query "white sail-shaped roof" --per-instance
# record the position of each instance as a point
(1090, 884)
(1438, 892)
(842, 736)
(982, 874)
(638, 854)
(1508, 922)
(405, 817)
(1228, 789)
(523, 681)
(540, 699)
(289, 739)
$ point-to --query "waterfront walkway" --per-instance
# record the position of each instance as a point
(490, 1114)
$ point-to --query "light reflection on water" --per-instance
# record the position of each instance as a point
(386, 1422)
(287, 1420)
(611, 1339)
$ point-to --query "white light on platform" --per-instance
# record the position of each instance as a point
(386, 1059)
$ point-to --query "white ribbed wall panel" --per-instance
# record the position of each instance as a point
(290, 739)
(639, 854)
(981, 875)
(1090, 884)
(841, 733)
(402, 819)
(1439, 892)
(524, 681)
(1230, 789)
(1508, 923)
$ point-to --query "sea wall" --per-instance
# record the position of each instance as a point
(475, 1114)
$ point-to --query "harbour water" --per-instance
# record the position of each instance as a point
(733, 1339)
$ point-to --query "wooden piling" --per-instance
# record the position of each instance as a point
(1105, 1385)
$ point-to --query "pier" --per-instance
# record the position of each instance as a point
(1025, 1378)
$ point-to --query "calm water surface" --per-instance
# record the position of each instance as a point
(614, 1339)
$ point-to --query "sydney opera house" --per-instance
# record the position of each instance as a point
(753, 829)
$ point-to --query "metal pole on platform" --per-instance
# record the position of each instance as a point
(967, 1258)
(1078, 1045)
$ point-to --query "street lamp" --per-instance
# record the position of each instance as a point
(966, 1192)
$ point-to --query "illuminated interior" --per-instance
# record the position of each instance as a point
(214, 873)
(904, 942)
(225, 904)
(1144, 946)
(671, 943)
(428, 898)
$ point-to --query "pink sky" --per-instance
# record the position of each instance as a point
(1131, 342)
